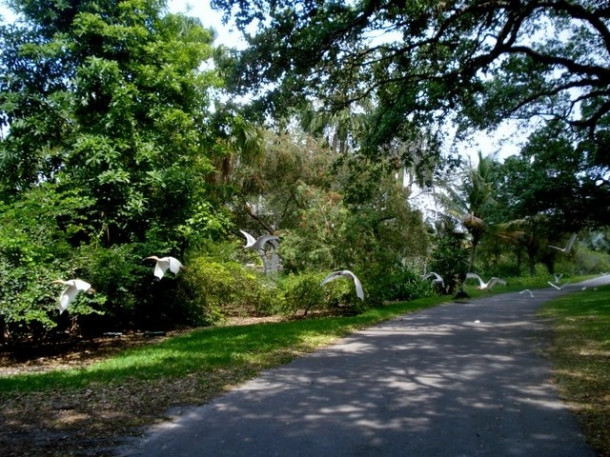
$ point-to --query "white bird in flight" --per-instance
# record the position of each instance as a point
(558, 287)
(165, 263)
(74, 286)
(257, 244)
(557, 277)
(485, 285)
(437, 278)
(568, 247)
(527, 290)
(346, 274)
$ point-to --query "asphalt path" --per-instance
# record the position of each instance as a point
(461, 379)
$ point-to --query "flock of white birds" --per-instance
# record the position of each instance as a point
(556, 284)
(162, 264)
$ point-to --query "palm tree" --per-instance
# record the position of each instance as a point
(470, 199)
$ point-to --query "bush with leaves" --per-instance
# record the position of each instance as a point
(340, 297)
(394, 283)
(35, 249)
(450, 259)
(302, 292)
(214, 290)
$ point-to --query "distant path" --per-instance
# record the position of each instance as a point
(461, 379)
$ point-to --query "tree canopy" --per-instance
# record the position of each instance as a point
(104, 111)
(489, 60)
(108, 99)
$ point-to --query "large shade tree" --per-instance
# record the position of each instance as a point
(487, 60)
(107, 98)
(104, 116)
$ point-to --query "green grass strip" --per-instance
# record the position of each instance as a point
(580, 353)
(248, 348)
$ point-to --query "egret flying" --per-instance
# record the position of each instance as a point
(165, 263)
(257, 244)
(437, 278)
(485, 285)
(346, 274)
(556, 277)
(529, 291)
(558, 287)
(74, 286)
(568, 247)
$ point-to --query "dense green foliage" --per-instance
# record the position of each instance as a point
(116, 146)
(104, 110)
(423, 59)
(410, 66)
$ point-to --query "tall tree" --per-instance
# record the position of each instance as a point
(557, 177)
(105, 122)
(469, 198)
(107, 98)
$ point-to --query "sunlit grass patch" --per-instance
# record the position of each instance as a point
(246, 348)
(581, 356)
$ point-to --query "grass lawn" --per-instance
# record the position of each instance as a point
(247, 348)
(581, 356)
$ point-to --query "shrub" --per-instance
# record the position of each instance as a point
(392, 284)
(302, 292)
(215, 290)
(450, 260)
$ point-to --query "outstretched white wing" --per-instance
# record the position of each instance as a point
(74, 286)
(571, 243)
(556, 286)
(475, 276)
(174, 265)
(250, 240)
(67, 296)
(165, 263)
(80, 285)
(437, 278)
(568, 247)
(331, 277)
(493, 281)
(161, 267)
(259, 244)
(346, 274)
(358, 285)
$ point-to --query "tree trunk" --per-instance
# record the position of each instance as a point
(473, 254)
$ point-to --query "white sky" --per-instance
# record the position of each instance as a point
(208, 17)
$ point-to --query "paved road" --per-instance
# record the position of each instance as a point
(466, 379)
